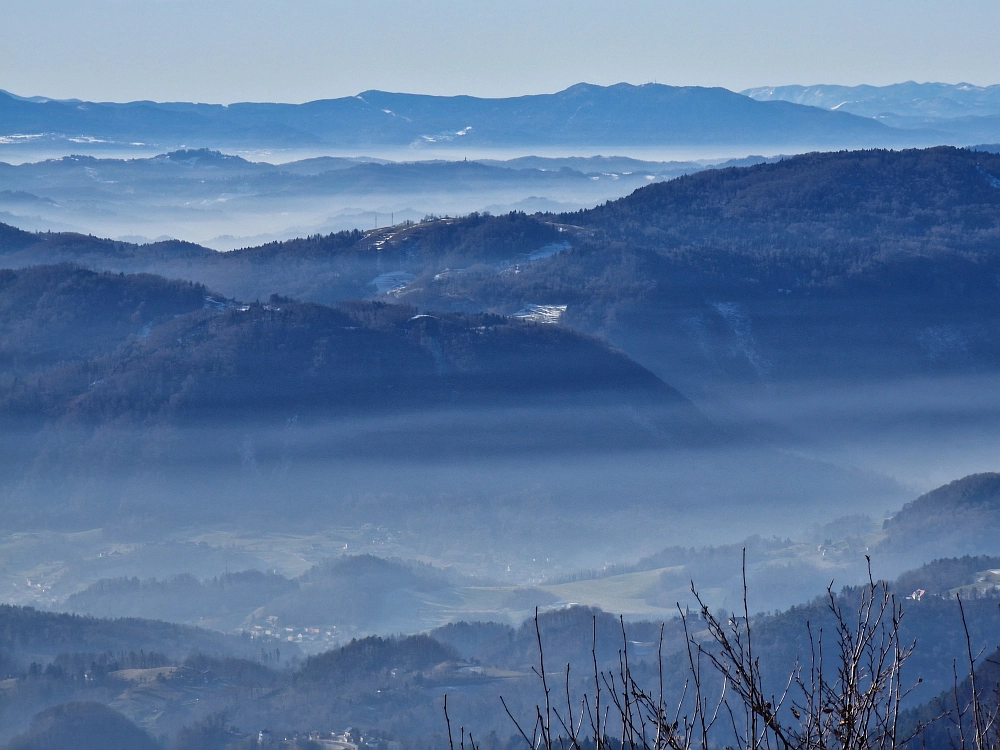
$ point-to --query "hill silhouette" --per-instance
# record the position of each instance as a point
(352, 594)
(961, 515)
(30, 634)
(967, 113)
(583, 114)
(838, 212)
(284, 358)
(55, 314)
(83, 725)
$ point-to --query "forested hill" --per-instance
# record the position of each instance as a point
(222, 359)
(868, 264)
(964, 514)
(28, 634)
(317, 268)
(56, 314)
(19, 249)
(815, 217)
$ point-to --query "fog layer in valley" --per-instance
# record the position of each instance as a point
(507, 504)
(224, 201)
(442, 427)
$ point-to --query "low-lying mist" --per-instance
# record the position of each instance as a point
(517, 510)
(920, 432)
(233, 200)
(509, 497)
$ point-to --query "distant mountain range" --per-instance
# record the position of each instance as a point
(226, 201)
(583, 115)
(910, 99)
(967, 113)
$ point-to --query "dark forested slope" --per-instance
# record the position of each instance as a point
(55, 314)
(28, 634)
(286, 358)
(19, 249)
(852, 265)
(85, 726)
(827, 215)
(964, 513)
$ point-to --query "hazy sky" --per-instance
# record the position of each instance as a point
(296, 50)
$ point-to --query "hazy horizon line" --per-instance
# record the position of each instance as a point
(41, 98)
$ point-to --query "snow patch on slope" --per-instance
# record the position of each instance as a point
(541, 313)
(391, 281)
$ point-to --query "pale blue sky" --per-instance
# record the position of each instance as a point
(296, 50)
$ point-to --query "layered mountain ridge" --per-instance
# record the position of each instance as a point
(582, 115)
(712, 274)
(966, 112)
